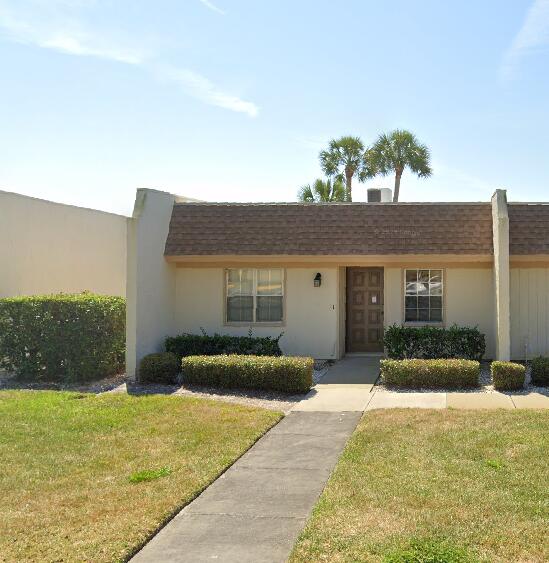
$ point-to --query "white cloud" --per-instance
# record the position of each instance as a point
(64, 35)
(201, 88)
(533, 35)
(213, 7)
(76, 46)
(56, 31)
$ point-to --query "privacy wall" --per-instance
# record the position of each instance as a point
(47, 247)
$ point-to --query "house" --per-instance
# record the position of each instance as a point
(48, 247)
(332, 276)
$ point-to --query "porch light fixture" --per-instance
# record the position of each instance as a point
(318, 280)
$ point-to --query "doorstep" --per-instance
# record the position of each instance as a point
(339, 398)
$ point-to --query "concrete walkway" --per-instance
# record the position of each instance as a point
(255, 511)
(471, 400)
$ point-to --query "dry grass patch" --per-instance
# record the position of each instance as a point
(470, 485)
(66, 487)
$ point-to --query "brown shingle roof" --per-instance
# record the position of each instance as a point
(329, 229)
(528, 228)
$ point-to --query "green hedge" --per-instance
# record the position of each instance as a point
(507, 376)
(540, 371)
(431, 374)
(429, 342)
(216, 344)
(279, 373)
(159, 368)
(70, 337)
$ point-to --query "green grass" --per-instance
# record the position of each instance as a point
(91, 477)
(416, 486)
(149, 474)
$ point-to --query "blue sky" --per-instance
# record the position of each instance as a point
(232, 100)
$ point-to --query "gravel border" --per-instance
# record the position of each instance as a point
(9, 381)
(271, 400)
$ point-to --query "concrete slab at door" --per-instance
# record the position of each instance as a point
(357, 370)
(337, 399)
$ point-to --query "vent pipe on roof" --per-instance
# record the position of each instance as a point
(380, 195)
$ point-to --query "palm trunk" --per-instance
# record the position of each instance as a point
(398, 176)
(348, 187)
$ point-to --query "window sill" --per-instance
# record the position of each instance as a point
(423, 323)
(254, 325)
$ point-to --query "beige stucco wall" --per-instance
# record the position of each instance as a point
(500, 229)
(468, 299)
(311, 326)
(150, 279)
(48, 247)
(529, 312)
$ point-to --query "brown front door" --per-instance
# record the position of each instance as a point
(364, 310)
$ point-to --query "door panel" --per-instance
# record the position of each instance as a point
(364, 310)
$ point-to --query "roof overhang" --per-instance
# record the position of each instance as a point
(387, 260)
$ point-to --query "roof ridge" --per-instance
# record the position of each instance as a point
(324, 203)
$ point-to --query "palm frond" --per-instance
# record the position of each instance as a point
(398, 150)
(346, 154)
(322, 191)
(306, 194)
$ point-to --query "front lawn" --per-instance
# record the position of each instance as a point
(458, 485)
(90, 477)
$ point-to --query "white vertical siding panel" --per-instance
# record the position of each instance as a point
(529, 312)
(515, 313)
(533, 337)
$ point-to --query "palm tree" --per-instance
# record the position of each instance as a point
(322, 191)
(397, 150)
(344, 159)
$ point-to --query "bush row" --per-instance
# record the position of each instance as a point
(453, 373)
(278, 373)
(404, 342)
(212, 345)
(64, 337)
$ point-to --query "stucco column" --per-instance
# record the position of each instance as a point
(500, 229)
(150, 281)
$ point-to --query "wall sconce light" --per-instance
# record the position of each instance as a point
(318, 280)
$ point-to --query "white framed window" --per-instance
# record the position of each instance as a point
(254, 295)
(423, 295)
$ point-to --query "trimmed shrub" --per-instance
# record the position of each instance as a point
(429, 342)
(159, 368)
(216, 344)
(507, 376)
(278, 373)
(431, 374)
(540, 371)
(64, 337)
